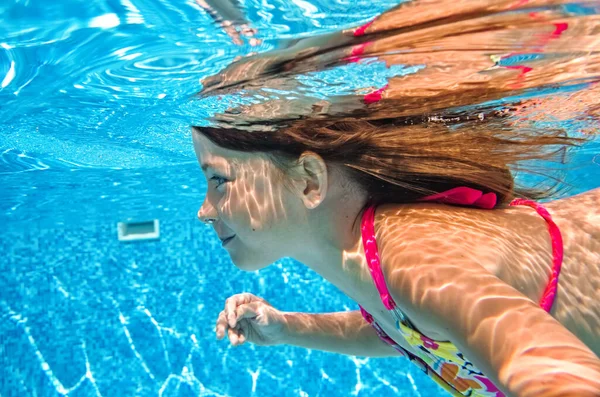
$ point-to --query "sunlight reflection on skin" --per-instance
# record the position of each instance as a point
(256, 202)
(482, 271)
(437, 245)
(254, 198)
(577, 305)
(512, 244)
(433, 254)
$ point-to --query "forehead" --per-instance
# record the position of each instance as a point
(209, 154)
(214, 156)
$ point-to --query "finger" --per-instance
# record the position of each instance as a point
(249, 311)
(246, 297)
(221, 326)
(233, 302)
(233, 336)
(241, 337)
(230, 306)
(238, 299)
(245, 330)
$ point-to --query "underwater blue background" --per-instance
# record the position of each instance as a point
(94, 130)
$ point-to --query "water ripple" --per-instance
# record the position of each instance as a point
(13, 161)
(106, 85)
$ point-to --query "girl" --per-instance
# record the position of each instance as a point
(468, 294)
(408, 204)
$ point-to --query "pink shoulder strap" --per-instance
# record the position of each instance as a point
(372, 255)
(557, 252)
(462, 196)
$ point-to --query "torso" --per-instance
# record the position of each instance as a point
(513, 244)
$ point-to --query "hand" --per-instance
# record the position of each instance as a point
(235, 32)
(248, 318)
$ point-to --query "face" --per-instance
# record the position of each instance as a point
(246, 200)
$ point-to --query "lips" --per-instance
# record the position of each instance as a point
(226, 240)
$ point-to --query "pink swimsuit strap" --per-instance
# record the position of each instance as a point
(557, 252)
(372, 255)
(478, 200)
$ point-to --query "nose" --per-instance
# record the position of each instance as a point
(206, 216)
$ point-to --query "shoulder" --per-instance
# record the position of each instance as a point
(426, 234)
(425, 251)
(431, 247)
(436, 262)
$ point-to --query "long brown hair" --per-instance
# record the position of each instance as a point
(398, 162)
(404, 140)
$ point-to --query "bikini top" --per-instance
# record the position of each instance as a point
(442, 361)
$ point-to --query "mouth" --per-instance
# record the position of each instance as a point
(227, 240)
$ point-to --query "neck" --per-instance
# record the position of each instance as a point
(332, 247)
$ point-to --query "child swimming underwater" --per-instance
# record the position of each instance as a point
(454, 289)
(420, 222)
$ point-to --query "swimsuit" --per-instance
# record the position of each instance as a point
(442, 361)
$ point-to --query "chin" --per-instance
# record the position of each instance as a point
(250, 258)
(247, 264)
(249, 267)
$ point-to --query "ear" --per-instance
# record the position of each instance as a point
(312, 179)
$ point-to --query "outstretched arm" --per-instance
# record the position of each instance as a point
(342, 332)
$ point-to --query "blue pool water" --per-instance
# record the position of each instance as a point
(94, 130)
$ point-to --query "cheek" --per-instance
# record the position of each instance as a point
(244, 214)
(259, 203)
(260, 223)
